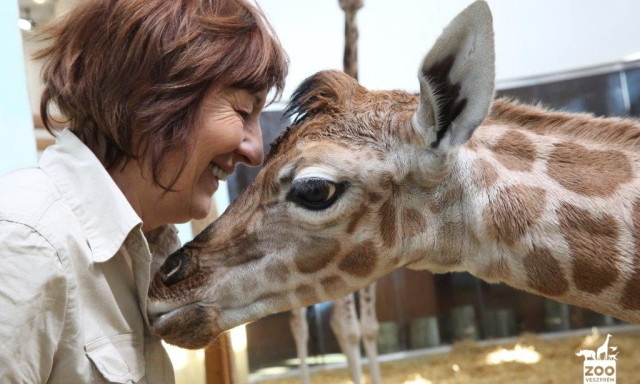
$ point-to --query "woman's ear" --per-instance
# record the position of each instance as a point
(457, 79)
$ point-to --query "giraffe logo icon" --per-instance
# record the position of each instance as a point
(600, 365)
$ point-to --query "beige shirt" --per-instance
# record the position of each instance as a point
(74, 273)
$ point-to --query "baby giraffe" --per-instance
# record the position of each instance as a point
(348, 330)
(448, 180)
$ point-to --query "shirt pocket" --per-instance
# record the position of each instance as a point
(118, 359)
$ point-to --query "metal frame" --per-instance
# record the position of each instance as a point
(568, 75)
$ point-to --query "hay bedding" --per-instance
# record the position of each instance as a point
(471, 363)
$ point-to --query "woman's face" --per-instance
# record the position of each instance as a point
(228, 132)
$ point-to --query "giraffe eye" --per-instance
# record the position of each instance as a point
(315, 193)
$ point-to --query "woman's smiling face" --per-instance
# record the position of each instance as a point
(228, 132)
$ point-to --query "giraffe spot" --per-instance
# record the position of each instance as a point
(593, 244)
(446, 197)
(497, 270)
(515, 151)
(413, 223)
(472, 144)
(333, 285)
(631, 292)
(374, 197)
(316, 254)
(515, 209)
(544, 273)
(367, 295)
(388, 223)
(483, 174)
(277, 271)
(588, 172)
(225, 293)
(362, 261)
(248, 284)
(387, 181)
(355, 218)
(244, 250)
(450, 236)
(306, 294)
(238, 230)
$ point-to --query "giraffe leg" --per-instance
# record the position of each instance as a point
(369, 326)
(300, 331)
(344, 324)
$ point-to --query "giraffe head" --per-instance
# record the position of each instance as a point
(335, 206)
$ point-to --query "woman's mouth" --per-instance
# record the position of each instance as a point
(218, 172)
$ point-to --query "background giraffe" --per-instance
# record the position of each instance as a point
(365, 182)
(344, 319)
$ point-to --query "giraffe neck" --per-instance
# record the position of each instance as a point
(553, 210)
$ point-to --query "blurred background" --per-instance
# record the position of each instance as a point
(575, 55)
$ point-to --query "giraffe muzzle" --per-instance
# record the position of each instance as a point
(192, 326)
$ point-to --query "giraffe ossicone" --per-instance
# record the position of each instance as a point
(364, 182)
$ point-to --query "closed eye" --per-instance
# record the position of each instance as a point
(315, 193)
(244, 114)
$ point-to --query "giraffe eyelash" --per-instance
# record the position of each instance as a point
(315, 194)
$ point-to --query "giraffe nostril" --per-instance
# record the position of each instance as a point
(174, 268)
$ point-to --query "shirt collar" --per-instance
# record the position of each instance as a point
(104, 213)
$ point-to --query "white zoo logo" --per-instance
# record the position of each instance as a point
(600, 365)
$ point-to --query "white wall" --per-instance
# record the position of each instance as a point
(532, 36)
(17, 140)
(33, 69)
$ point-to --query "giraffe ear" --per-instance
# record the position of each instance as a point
(457, 79)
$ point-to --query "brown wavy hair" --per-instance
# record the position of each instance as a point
(130, 75)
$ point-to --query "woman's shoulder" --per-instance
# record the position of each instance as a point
(26, 195)
(31, 202)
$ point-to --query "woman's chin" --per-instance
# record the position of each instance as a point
(201, 208)
(202, 197)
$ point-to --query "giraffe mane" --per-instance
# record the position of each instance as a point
(322, 93)
(277, 142)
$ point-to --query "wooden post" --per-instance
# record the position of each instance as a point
(219, 362)
(350, 60)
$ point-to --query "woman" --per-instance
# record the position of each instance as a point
(162, 100)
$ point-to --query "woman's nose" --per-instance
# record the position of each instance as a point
(250, 150)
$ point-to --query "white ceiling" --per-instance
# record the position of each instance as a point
(39, 13)
(29, 3)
